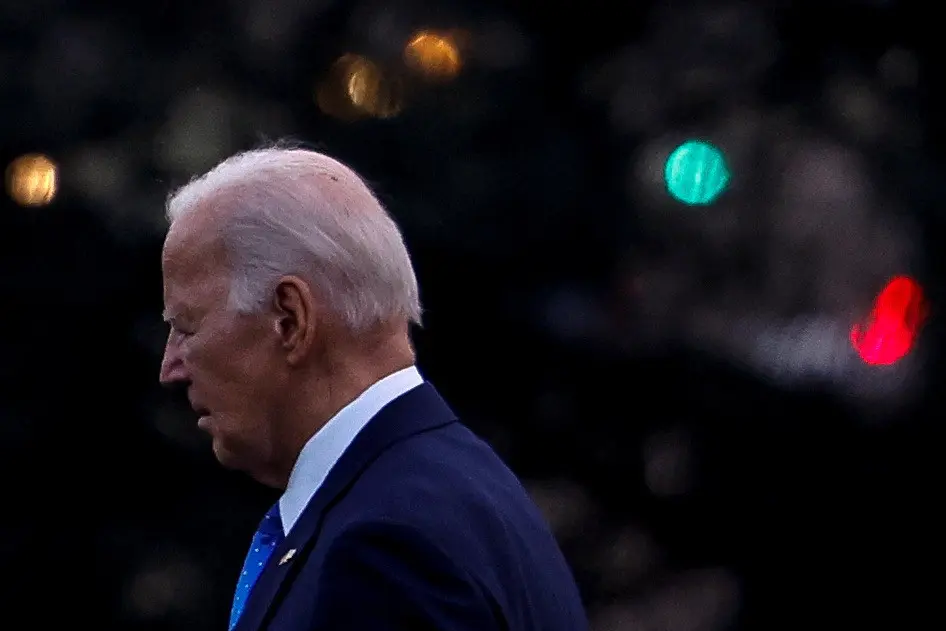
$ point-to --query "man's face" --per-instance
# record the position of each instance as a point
(228, 362)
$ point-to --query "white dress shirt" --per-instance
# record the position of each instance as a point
(329, 443)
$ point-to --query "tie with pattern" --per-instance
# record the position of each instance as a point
(267, 537)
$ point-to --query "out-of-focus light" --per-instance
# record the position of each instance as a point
(891, 329)
(696, 173)
(434, 56)
(356, 87)
(32, 180)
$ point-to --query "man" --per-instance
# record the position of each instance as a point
(290, 294)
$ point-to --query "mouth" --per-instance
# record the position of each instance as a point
(203, 416)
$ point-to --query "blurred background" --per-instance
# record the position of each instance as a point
(680, 263)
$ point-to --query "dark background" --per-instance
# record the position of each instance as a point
(674, 384)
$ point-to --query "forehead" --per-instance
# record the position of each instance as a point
(193, 265)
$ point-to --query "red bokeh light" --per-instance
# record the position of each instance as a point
(890, 330)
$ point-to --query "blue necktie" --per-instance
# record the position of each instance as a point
(267, 537)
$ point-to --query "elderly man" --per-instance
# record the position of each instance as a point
(290, 294)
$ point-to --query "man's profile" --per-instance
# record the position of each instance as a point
(290, 295)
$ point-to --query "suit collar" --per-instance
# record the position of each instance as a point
(416, 411)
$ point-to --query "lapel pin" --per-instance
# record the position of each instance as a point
(287, 557)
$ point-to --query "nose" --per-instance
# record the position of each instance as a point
(172, 365)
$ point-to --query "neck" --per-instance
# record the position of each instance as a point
(330, 387)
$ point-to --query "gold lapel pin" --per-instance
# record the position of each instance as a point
(287, 557)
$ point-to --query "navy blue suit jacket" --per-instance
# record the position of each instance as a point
(419, 526)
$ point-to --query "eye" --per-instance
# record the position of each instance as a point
(178, 330)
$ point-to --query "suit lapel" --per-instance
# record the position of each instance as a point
(416, 411)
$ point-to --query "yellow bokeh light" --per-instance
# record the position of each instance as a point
(356, 87)
(32, 180)
(433, 55)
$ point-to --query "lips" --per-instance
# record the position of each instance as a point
(202, 412)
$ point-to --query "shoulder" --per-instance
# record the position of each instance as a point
(451, 454)
(448, 487)
(445, 474)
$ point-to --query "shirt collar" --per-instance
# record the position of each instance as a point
(323, 450)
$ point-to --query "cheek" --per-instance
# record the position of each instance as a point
(246, 369)
(234, 359)
(209, 360)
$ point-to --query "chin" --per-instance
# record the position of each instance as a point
(234, 459)
(243, 462)
(225, 457)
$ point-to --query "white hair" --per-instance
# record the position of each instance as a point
(300, 212)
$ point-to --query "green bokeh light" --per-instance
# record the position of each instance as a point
(696, 173)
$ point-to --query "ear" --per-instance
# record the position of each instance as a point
(296, 317)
